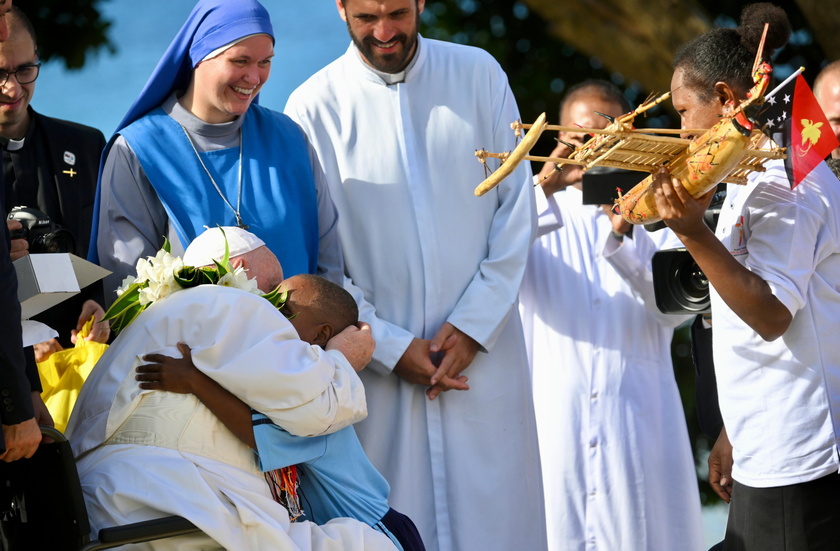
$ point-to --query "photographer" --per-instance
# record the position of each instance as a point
(616, 461)
(49, 165)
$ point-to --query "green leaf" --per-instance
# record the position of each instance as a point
(277, 297)
(126, 308)
(222, 269)
(128, 299)
(124, 318)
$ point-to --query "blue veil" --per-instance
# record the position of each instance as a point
(211, 25)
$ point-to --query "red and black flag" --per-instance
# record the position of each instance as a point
(794, 120)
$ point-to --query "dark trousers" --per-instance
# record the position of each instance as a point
(799, 517)
(403, 529)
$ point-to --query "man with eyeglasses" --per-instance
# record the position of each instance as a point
(20, 436)
(50, 165)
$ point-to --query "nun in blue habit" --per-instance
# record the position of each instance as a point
(195, 150)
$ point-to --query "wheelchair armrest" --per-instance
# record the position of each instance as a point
(139, 532)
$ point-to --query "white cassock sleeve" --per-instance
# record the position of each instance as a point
(484, 307)
(257, 355)
(632, 259)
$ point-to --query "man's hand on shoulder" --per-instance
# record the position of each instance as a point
(356, 343)
(21, 440)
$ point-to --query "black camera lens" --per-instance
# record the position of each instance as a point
(58, 241)
(680, 287)
(42, 234)
(692, 282)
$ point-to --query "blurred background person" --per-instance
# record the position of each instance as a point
(827, 92)
(618, 471)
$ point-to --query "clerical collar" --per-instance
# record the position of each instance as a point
(392, 78)
(11, 144)
(14, 145)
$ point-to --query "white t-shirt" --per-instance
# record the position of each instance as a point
(780, 400)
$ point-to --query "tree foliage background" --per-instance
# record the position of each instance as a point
(545, 46)
(525, 37)
(69, 31)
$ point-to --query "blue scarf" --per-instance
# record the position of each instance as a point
(279, 203)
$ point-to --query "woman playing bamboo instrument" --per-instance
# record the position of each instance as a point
(195, 150)
(774, 270)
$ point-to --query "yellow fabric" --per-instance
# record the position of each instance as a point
(64, 373)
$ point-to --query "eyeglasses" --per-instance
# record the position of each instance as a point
(24, 74)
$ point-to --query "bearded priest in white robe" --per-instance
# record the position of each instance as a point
(395, 122)
(145, 454)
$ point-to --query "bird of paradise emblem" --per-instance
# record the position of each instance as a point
(811, 134)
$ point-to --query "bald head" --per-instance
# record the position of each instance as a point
(581, 107)
(595, 92)
(263, 265)
(827, 92)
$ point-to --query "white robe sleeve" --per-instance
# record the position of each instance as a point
(549, 217)
(485, 305)
(330, 257)
(339, 534)
(240, 341)
(632, 259)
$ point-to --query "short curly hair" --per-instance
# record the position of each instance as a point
(727, 55)
(333, 302)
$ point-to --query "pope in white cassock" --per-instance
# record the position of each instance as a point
(395, 122)
(145, 454)
(618, 471)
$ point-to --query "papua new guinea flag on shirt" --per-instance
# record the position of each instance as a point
(794, 120)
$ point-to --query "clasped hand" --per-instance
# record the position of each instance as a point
(438, 363)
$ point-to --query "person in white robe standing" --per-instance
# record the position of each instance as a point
(145, 454)
(618, 470)
(395, 122)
